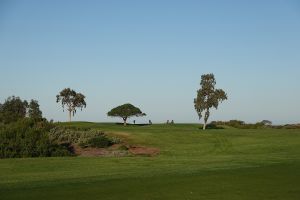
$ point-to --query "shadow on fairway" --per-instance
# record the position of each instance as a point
(121, 124)
(212, 126)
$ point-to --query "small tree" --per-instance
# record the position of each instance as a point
(125, 111)
(72, 100)
(266, 122)
(208, 97)
(34, 110)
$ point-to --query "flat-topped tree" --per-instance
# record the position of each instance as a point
(208, 97)
(125, 111)
(266, 122)
(72, 100)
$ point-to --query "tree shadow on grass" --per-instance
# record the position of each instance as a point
(212, 126)
(121, 124)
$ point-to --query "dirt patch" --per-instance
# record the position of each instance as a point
(100, 152)
(115, 151)
(144, 151)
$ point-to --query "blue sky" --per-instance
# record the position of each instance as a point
(152, 54)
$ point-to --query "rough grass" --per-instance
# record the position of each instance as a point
(215, 164)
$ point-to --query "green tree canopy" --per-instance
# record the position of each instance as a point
(266, 122)
(125, 111)
(72, 100)
(34, 111)
(208, 97)
(13, 109)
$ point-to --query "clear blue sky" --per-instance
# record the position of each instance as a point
(152, 54)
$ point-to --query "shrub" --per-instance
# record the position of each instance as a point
(115, 140)
(61, 150)
(213, 126)
(123, 148)
(83, 138)
(100, 142)
(28, 138)
(240, 124)
(73, 136)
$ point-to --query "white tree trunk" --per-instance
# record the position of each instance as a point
(70, 116)
(204, 125)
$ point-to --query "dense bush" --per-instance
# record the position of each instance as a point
(39, 138)
(240, 124)
(100, 142)
(212, 126)
(123, 148)
(263, 124)
(83, 138)
(288, 126)
(24, 133)
(115, 140)
(29, 138)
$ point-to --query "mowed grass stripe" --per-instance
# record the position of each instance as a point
(279, 181)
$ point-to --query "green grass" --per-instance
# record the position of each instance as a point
(215, 164)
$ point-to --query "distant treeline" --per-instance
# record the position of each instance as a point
(263, 124)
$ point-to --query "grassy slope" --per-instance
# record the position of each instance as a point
(217, 164)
